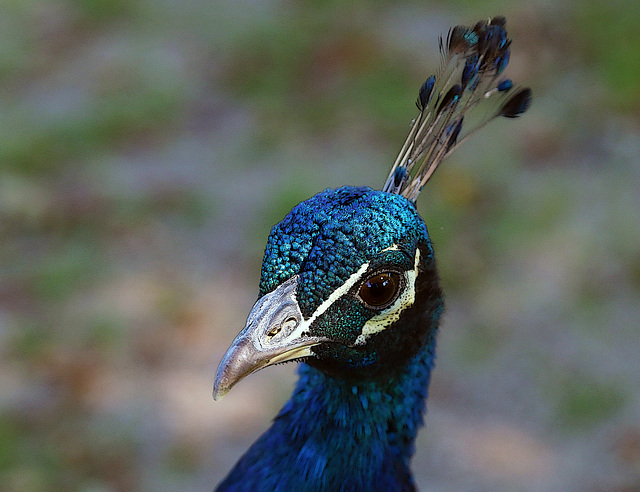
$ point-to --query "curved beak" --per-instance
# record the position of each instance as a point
(275, 332)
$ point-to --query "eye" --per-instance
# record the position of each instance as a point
(380, 289)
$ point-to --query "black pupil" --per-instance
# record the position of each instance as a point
(379, 289)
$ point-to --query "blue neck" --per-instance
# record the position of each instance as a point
(336, 435)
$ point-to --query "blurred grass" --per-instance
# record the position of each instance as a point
(148, 147)
(612, 53)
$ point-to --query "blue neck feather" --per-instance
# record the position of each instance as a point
(338, 435)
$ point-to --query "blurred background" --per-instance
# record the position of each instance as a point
(147, 147)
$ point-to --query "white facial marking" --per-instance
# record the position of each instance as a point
(393, 247)
(335, 295)
(390, 315)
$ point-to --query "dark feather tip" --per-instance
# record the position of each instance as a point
(505, 85)
(499, 20)
(470, 70)
(516, 104)
(450, 98)
(453, 131)
(460, 39)
(424, 95)
(398, 175)
(502, 60)
(493, 46)
(490, 41)
(479, 27)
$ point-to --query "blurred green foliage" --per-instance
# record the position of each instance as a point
(611, 49)
(584, 403)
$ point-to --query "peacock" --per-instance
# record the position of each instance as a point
(349, 288)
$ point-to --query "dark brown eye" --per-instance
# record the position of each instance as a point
(380, 289)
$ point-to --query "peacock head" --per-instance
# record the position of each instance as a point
(348, 278)
(340, 277)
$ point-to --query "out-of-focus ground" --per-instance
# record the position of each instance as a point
(146, 148)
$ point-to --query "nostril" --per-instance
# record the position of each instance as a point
(288, 325)
(274, 331)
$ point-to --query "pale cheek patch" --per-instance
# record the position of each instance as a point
(390, 315)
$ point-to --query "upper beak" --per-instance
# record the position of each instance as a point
(274, 333)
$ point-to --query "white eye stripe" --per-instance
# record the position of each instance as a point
(393, 247)
(390, 315)
(333, 297)
(340, 291)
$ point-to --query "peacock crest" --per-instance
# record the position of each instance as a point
(473, 60)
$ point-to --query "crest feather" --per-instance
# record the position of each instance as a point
(473, 58)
